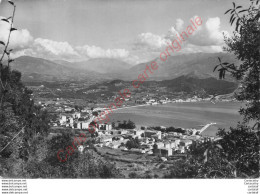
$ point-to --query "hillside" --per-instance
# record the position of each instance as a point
(184, 84)
(99, 65)
(201, 65)
(197, 65)
(38, 69)
(191, 84)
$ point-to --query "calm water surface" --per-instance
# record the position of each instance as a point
(186, 115)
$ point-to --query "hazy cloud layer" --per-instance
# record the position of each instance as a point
(24, 44)
(97, 52)
(206, 38)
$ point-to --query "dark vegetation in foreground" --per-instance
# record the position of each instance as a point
(25, 150)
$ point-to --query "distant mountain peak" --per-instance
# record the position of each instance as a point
(38, 69)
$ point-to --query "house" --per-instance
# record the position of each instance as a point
(76, 115)
(81, 148)
(157, 136)
(159, 145)
(173, 144)
(85, 125)
(78, 125)
(166, 152)
(150, 152)
(181, 150)
(163, 159)
(115, 144)
(105, 126)
(106, 139)
(63, 119)
(138, 132)
(122, 132)
(167, 145)
(69, 109)
(143, 151)
(139, 102)
(185, 142)
(163, 128)
(177, 142)
(123, 148)
(71, 120)
(150, 133)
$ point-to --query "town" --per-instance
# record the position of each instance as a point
(157, 141)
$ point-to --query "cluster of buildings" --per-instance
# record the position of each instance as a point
(152, 101)
(79, 120)
(165, 100)
(151, 141)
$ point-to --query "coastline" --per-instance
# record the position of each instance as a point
(184, 115)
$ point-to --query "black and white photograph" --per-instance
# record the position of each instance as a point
(135, 91)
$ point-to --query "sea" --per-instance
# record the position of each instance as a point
(185, 115)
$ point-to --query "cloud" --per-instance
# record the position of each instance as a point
(23, 43)
(49, 49)
(150, 41)
(179, 24)
(97, 52)
(54, 49)
(207, 36)
(19, 39)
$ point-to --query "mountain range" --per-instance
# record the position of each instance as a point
(197, 65)
(38, 69)
(99, 65)
(185, 83)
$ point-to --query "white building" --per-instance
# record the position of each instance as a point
(76, 115)
(85, 125)
(63, 120)
(81, 148)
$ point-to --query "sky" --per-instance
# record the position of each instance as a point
(134, 31)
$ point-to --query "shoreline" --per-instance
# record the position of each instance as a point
(184, 115)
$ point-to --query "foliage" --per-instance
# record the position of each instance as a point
(245, 45)
(127, 125)
(132, 143)
(169, 129)
(95, 113)
(238, 151)
(21, 122)
(132, 175)
(234, 154)
(26, 148)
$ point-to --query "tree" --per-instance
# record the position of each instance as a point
(234, 153)
(132, 175)
(23, 126)
(113, 125)
(245, 45)
(132, 143)
(127, 125)
(130, 125)
(25, 148)
(95, 113)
